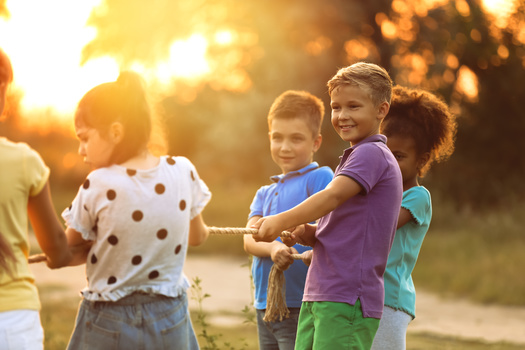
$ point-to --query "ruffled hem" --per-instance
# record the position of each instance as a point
(397, 308)
(169, 291)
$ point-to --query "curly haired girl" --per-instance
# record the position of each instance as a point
(420, 131)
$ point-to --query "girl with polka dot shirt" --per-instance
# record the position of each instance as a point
(138, 213)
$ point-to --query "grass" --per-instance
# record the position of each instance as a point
(478, 256)
(58, 318)
(473, 255)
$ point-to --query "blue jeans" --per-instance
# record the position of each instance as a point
(138, 321)
(278, 335)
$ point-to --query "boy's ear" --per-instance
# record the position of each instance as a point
(317, 142)
(382, 110)
(116, 132)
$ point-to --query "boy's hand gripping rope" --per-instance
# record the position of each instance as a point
(275, 302)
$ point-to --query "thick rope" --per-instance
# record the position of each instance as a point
(276, 301)
(213, 231)
(240, 231)
(276, 295)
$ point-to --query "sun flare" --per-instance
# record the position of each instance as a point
(45, 46)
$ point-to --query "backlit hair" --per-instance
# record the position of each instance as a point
(368, 76)
(6, 70)
(302, 105)
(123, 101)
(422, 116)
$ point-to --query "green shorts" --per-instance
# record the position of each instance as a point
(330, 325)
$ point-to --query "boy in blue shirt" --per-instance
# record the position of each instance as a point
(294, 123)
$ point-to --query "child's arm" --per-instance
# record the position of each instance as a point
(198, 231)
(279, 252)
(405, 216)
(78, 247)
(49, 231)
(337, 192)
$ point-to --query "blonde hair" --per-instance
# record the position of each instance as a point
(298, 104)
(368, 76)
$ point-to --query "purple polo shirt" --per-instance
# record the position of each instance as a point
(353, 241)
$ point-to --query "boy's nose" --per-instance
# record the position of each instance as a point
(285, 146)
(343, 115)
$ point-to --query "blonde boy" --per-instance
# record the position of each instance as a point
(343, 298)
(294, 122)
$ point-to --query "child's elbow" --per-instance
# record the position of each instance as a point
(198, 238)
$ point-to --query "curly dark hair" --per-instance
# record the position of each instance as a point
(425, 118)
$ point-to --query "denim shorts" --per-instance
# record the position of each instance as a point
(138, 321)
(277, 335)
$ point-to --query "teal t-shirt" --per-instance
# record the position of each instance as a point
(400, 293)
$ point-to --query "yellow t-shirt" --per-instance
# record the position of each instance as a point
(23, 174)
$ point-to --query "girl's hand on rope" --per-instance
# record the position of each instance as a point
(268, 229)
(306, 257)
(281, 256)
(297, 232)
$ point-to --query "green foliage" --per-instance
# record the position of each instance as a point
(475, 255)
(210, 339)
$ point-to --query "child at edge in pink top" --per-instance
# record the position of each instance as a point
(358, 211)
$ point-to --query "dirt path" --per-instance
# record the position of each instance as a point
(227, 281)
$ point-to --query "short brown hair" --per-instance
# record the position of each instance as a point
(368, 76)
(298, 104)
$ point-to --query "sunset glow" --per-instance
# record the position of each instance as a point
(45, 48)
(501, 10)
(47, 71)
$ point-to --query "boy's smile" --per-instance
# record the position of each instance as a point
(354, 115)
(292, 144)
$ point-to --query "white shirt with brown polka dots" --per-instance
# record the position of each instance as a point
(139, 222)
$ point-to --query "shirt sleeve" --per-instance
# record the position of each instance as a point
(320, 179)
(417, 201)
(81, 215)
(365, 165)
(200, 192)
(256, 208)
(37, 172)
